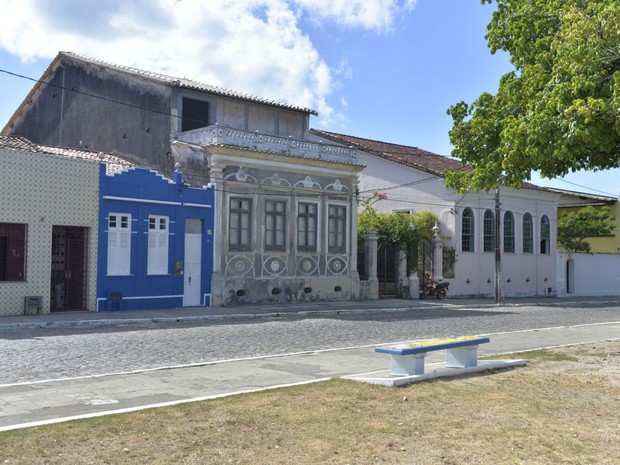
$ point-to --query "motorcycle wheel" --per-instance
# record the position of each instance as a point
(441, 294)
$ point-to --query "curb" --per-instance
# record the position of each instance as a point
(283, 314)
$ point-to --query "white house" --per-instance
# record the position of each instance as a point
(413, 180)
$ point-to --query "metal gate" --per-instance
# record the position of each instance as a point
(386, 268)
(425, 262)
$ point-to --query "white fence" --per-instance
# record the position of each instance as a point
(587, 274)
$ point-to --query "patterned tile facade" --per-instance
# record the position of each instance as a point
(45, 190)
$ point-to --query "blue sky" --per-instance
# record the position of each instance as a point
(380, 69)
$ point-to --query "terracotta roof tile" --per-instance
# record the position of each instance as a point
(412, 157)
(17, 142)
(113, 163)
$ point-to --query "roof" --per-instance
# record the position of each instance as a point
(412, 157)
(113, 163)
(584, 198)
(170, 81)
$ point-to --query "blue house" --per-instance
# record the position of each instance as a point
(155, 241)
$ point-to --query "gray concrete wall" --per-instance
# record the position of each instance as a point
(132, 119)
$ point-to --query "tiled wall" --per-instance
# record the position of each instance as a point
(43, 191)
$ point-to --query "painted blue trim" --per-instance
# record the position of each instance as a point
(420, 350)
(142, 192)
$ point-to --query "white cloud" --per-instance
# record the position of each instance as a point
(368, 14)
(253, 46)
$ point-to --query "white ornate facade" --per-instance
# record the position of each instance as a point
(287, 223)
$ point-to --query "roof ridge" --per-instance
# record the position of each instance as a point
(378, 142)
(184, 82)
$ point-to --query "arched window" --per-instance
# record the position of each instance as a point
(528, 234)
(509, 232)
(467, 231)
(489, 231)
(545, 235)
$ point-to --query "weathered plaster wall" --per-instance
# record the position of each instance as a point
(132, 120)
(262, 119)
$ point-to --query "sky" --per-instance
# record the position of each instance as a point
(380, 69)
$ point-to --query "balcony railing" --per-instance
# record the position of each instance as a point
(232, 137)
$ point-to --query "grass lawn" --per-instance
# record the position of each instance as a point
(563, 408)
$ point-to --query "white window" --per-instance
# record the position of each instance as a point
(119, 244)
(157, 260)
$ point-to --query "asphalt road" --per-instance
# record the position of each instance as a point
(28, 355)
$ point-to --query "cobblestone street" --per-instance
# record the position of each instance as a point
(42, 354)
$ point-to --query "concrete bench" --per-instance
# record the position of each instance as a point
(408, 357)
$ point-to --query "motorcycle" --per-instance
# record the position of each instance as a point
(436, 289)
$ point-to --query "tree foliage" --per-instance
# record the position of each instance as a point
(559, 110)
(395, 227)
(575, 227)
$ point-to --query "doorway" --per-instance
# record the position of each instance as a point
(386, 269)
(68, 284)
(192, 278)
(570, 277)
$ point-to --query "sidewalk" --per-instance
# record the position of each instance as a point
(31, 404)
(83, 318)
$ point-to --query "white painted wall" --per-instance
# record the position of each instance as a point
(523, 274)
(595, 274)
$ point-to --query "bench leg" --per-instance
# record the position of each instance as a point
(403, 365)
(462, 357)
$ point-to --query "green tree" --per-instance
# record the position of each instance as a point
(576, 226)
(395, 228)
(559, 110)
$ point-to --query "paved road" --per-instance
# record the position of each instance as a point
(28, 355)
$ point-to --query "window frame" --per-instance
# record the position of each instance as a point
(528, 233)
(509, 232)
(13, 239)
(308, 218)
(337, 228)
(157, 262)
(545, 235)
(488, 233)
(190, 117)
(240, 237)
(273, 228)
(119, 256)
(470, 232)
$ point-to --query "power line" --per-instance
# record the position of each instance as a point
(584, 187)
(171, 115)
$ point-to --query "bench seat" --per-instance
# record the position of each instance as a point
(408, 357)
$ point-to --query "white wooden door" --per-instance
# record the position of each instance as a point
(193, 263)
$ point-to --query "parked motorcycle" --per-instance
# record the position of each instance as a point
(436, 289)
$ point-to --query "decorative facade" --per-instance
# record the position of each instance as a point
(286, 224)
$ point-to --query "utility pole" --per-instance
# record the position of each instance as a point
(498, 255)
